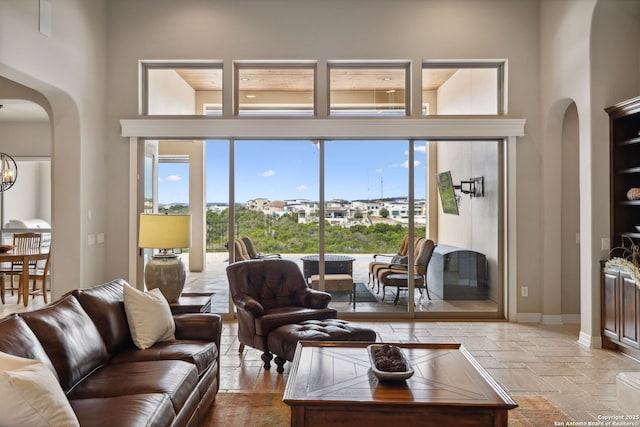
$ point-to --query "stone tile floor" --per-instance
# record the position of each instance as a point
(525, 359)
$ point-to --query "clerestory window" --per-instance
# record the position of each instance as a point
(368, 89)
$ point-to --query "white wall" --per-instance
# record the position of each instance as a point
(469, 91)
(170, 94)
(477, 226)
(30, 196)
(472, 91)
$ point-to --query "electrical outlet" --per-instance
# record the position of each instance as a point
(524, 291)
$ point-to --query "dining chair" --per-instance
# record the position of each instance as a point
(2, 287)
(38, 275)
(22, 241)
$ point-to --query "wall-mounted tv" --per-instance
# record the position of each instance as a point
(447, 193)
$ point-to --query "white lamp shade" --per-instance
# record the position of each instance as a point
(160, 231)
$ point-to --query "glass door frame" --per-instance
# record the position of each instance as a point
(499, 129)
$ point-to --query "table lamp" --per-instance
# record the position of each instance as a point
(165, 270)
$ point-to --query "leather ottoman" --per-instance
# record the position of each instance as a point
(283, 340)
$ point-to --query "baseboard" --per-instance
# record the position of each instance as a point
(528, 317)
(552, 319)
(571, 319)
(548, 319)
(589, 341)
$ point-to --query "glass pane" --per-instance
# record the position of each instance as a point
(275, 91)
(366, 187)
(460, 91)
(367, 91)
(173, 187)
(277, 197)
(148, 184)
(464, 273)
(217, 219)
(184, 91)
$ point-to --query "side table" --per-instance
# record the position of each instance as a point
(192, 303)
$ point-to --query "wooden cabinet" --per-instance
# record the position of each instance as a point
(620, 309)
(620, 298)
(624, 134)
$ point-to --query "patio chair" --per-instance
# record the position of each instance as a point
(396, 260)
(377, 262)
(253, 253)
(398, 276)
(241, 253)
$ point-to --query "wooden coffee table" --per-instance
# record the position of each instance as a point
(331, 383)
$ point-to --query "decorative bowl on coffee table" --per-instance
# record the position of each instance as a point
(384, 375)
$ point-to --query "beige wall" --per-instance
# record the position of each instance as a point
(66, 72)
(570, 205)
(331, 30)
(589, 57)
(26, 139)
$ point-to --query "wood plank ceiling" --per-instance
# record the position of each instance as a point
(301, 79)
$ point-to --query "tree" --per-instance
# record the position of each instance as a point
(384, 212)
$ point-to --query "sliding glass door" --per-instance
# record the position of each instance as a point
(276, 198)
(366, 213)
(360, 208)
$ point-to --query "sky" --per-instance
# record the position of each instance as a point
(284, 170)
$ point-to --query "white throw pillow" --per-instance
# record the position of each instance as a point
(149, 316)
(31, 395)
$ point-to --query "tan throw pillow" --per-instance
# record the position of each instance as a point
(31, 395)
(149, 316)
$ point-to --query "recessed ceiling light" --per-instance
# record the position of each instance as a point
(245, 79)
(250, 96)
(391, 91)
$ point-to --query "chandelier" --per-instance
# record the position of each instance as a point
(8, 172)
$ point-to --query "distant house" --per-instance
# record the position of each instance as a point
(259, 204)
(275, 208)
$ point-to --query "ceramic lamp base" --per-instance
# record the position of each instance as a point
(167, 273)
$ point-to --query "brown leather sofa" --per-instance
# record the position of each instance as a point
(84, 339)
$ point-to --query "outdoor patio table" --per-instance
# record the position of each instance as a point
(333, 264)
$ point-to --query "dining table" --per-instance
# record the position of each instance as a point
(25, 256)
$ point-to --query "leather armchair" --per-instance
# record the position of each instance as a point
(269, 293)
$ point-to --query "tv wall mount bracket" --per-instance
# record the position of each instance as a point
(474, 187)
